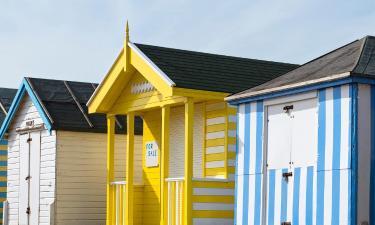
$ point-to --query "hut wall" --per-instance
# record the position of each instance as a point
(321, 191)
(81, 175)
(177, 137)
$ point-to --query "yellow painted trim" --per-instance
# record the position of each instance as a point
(213, 199)
(188, 190)
(212, 184)
(165, 115)
(147, 104)
(203, 142)
(215, 128)
(215, 142)
(199, 94)
(129, 190)
(219, 171)
(216, 113)
(110, 168)
(149, 73)
(213, 214)
(3, 147)
(219, 156)
(226, 144)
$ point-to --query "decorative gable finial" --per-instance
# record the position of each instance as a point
(127, 32)
(126, 47)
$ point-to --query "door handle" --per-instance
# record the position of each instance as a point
(286, 176)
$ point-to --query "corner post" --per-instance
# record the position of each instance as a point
(110, 168)
(129, 188)
(165, 114)
(188, 189)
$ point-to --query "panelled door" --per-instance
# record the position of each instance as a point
(29, 178)
(291, 151)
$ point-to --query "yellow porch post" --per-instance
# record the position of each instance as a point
(110, 167)
(165, 113)
(189, 115)
(129, 189)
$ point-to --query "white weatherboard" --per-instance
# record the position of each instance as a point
(152, 154)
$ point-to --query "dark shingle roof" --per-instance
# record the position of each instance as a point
(64, 111)
(6, 98)
(356, 58)
(204, 71)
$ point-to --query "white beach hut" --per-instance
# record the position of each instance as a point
(56, 160)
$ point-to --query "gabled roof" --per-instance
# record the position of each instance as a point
(211, 72)
(6, 98)
(356, 59)
(62, 106)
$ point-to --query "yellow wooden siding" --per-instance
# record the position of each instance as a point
(213, 201)
(220, 140)
(151, 175)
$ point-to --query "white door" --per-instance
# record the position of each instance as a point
(29, 178)
(291, 147)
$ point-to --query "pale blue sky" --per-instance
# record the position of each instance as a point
(80, 39)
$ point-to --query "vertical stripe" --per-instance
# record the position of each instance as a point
(259, 137)
(309, 195)
(296, 187)
(258, 195)
(258, 166)
(252, 193)
(302, 196)
(336, 156)
(344, 195)
(271, 197)
(278, 183)
(350, 148)
(321, 158)
(246, 164)
(284, 197)
(372, 170)
(354, 159)
(236, 209)
(253, 138)
(345, 127)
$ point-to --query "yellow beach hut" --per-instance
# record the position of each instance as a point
(188, 155)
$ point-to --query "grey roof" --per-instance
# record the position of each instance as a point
(6, 98)
(356, 59)
(211, 72)
(61, 99)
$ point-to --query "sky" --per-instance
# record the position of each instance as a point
(80, 39)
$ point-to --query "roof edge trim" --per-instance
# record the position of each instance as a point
(285, 87)
(152, 65)
(24, 87)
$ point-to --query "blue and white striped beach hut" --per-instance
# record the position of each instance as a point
(306, 144)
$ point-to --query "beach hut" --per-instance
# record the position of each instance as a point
(306, 146)
(6, 97)
(189, 132)
(56, 155)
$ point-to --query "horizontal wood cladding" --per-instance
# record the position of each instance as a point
(81, 175)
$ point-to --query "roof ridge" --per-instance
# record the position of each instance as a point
(213, 54)
(83, 82)
(326, 54)
(364, 42)
(39, 100)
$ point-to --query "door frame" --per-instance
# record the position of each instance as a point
(266, 104)
(29, 128)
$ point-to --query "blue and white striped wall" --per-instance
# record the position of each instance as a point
(323, 192)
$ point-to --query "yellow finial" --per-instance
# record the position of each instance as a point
(127, 30)
(126, 48)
